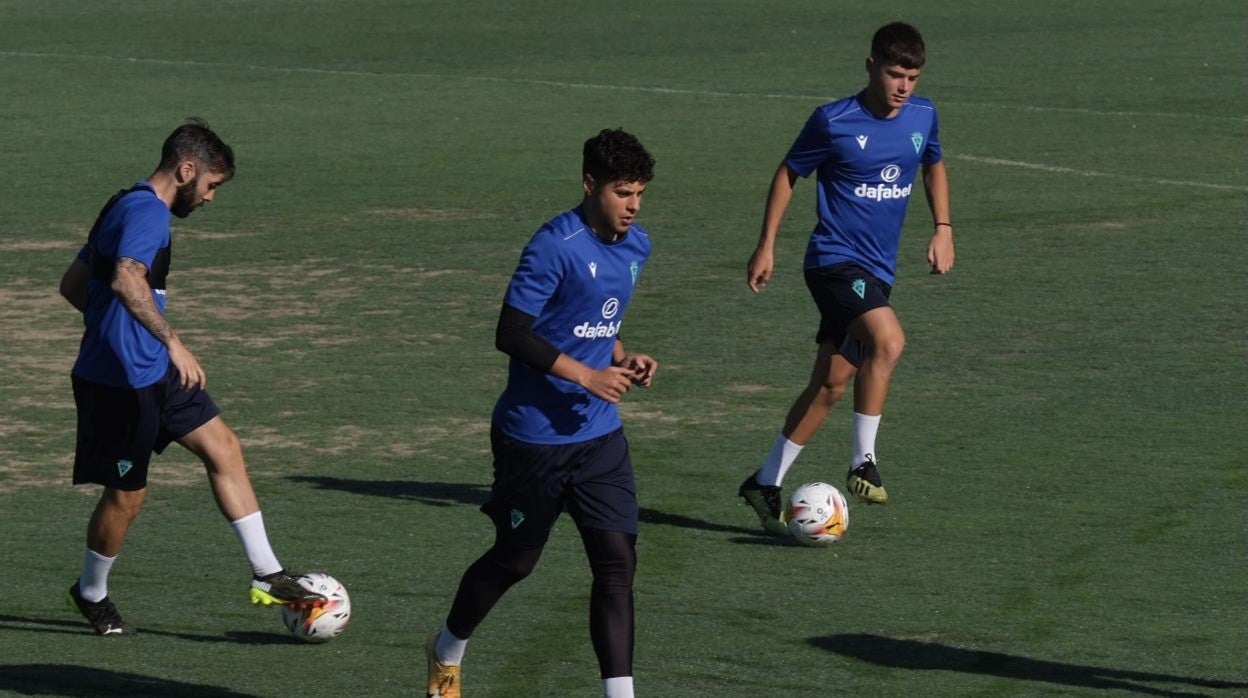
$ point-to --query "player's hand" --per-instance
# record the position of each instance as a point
(758, 271)
(610, 383)
(940, 250)
(190, 373)
(643, 367)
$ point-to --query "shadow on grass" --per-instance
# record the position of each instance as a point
(72, 680)
(443, 494)
(933, 656)
(79, 627)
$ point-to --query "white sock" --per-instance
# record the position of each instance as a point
(783, 453)
(617, 687)
(449, 648)
(250, 530)
(93, 584)
(864, 430)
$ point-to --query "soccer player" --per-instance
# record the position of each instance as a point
(866, 151)
(138, 388)
(556, 434)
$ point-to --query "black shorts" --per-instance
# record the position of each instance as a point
(534, 483)
(119, 428)
(843, 292)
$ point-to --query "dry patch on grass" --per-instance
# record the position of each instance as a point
(638, 413)
(10, 426)
(454, 437)
(748, 388)
(176, 469)
(283, 303)
(39, 333)
(43, 459)
(266, 437)
(18, 474)
(183, 232)
(40, 246)
(65, 404)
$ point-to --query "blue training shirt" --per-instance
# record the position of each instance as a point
(577, 287)
(866, 170)
(116, 350)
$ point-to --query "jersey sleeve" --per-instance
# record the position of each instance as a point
(812, 147)
(932, 153)
(537, 276)
(144, 231)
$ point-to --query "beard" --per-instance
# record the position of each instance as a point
(184, 198)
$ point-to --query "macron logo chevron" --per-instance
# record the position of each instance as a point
(123, 467)
(862, 142)
(593, 269)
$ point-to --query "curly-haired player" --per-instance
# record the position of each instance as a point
(556, 434)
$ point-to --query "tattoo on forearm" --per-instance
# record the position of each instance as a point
(136, 296)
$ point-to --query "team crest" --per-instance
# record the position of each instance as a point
(860, 288)
(917, 139)
(634, 268)
(517, 518)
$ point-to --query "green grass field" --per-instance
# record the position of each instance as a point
(1064, 445)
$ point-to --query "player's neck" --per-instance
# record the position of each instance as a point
(598, 223)
(164, 185)
(878, 108)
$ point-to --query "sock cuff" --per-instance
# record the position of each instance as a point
(101, 558)
(253, 515)
(784, 441)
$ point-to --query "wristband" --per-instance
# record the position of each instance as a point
(944, 223)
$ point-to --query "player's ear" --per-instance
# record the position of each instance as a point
(588, 184)
(185, 171)
(870, 64)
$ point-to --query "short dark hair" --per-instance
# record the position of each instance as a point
(899, 44)
(616, 156)
(193, 140)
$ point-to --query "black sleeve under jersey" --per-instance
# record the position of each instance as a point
(515, 337)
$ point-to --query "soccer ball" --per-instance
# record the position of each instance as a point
(319, 624)
(818, 514)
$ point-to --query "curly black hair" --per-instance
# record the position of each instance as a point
(617, 156)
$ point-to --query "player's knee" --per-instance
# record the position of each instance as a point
(126, 502)
(889, 348)
(513, 565)
(225, 454)
(831, 390)
(614, 575)
(613, 561)
(230, 443)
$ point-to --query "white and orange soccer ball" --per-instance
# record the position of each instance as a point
(817, 514)
(326, 622)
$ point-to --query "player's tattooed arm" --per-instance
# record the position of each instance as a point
(131, 288)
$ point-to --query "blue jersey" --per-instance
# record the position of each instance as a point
(866, 170)
(577, 287)
(116, 350)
